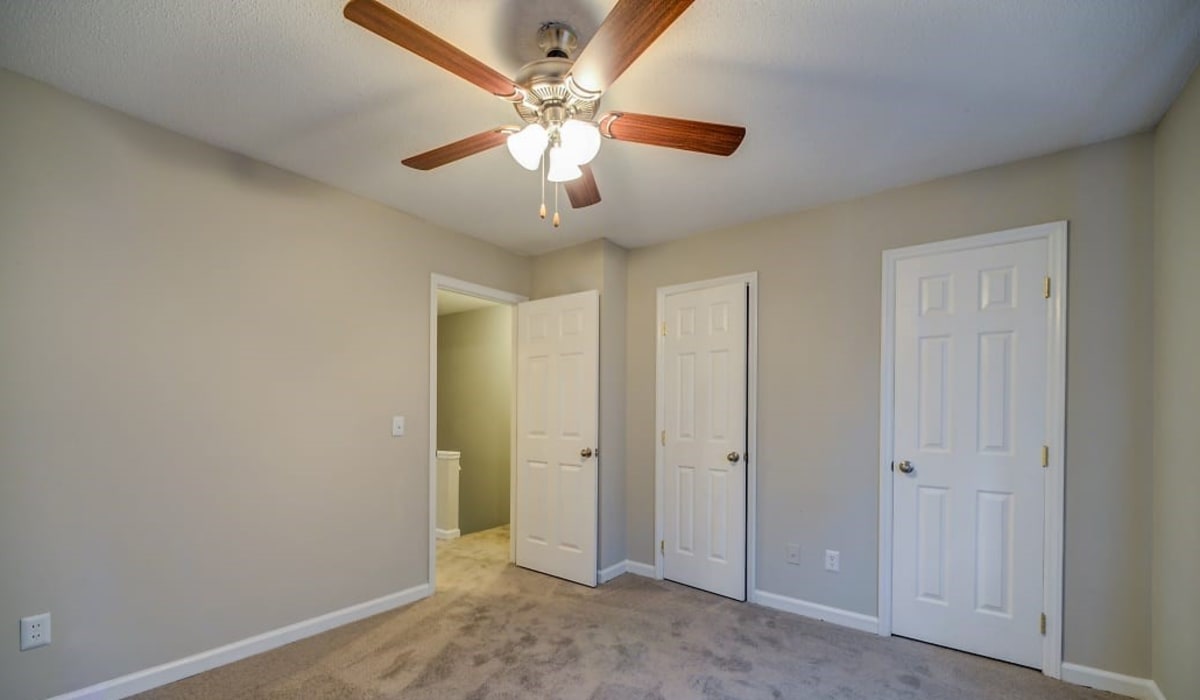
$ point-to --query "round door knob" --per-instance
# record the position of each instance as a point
(905, 467)
(586, 453)
(733, 457)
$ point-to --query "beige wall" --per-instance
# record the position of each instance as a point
(568, 270)
(475, 399)
(818, 430)
(201, 356)
(1176, 394)
(599, 265)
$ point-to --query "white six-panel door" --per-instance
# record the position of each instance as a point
(558, 361)
(704, 445)
(970, 408)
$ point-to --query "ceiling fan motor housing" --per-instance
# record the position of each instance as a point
(549, 100)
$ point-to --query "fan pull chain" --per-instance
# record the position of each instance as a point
(556, 219)
(542, 211)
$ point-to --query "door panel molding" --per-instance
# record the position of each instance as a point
(750, 280)
(1055, 234)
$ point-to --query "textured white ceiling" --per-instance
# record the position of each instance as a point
(840, 97)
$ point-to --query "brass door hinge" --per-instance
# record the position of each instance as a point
(662, 546)
(1045, 455)
(663, 438)
(1046, 287)
(664, 328)
(1043, 627)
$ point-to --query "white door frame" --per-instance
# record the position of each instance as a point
(1055, 233)
(750, 279)
(451, 284)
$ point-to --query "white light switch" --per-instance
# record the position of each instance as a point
(397, 426)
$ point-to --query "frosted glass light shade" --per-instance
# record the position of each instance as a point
(561, 167)
(581, 140)
(527, 145)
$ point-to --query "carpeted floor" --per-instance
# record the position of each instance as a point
(496, 631)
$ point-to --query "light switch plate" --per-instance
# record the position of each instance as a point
(397, 426)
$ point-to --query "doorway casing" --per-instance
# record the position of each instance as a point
(1055, 234)
(750, 279)
(451, 284)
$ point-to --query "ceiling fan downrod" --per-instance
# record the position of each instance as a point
(557, 39)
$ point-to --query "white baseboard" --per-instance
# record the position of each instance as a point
(1140, 688)
(609, 573)
(625, 567)
(447, 534)
(837, 616)
(141, 681)
(637, 568)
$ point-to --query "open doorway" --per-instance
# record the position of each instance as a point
(472, 404)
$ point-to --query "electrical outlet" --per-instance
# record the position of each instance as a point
(35, 631)
(397, 426)
(793, 554)
(833, 560)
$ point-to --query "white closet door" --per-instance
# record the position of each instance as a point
(704, 453)
(971, 365)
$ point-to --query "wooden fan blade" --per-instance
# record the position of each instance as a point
(582, 191)
(376, 17)
(701, 137)
(629, 29)
(457, 150)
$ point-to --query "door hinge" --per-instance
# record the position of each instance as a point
(664, 328)
(1045, 455)
(893, 466)
(663, 438)
(662, 546)
(1043, 625)
(1046, 287)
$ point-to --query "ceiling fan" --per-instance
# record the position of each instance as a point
(558, 96)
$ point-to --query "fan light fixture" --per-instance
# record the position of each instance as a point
(576, 143)
(580, 140)
(560, 150)
(527, 145)
(562, 165)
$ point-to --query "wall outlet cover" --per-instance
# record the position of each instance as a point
(397, 426)
(35, 631)
(833, 560)
(793, 554)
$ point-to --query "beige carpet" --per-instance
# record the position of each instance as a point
(496, 631)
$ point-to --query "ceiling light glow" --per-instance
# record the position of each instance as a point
(562, 169)
(527, 145)
(581, 140)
